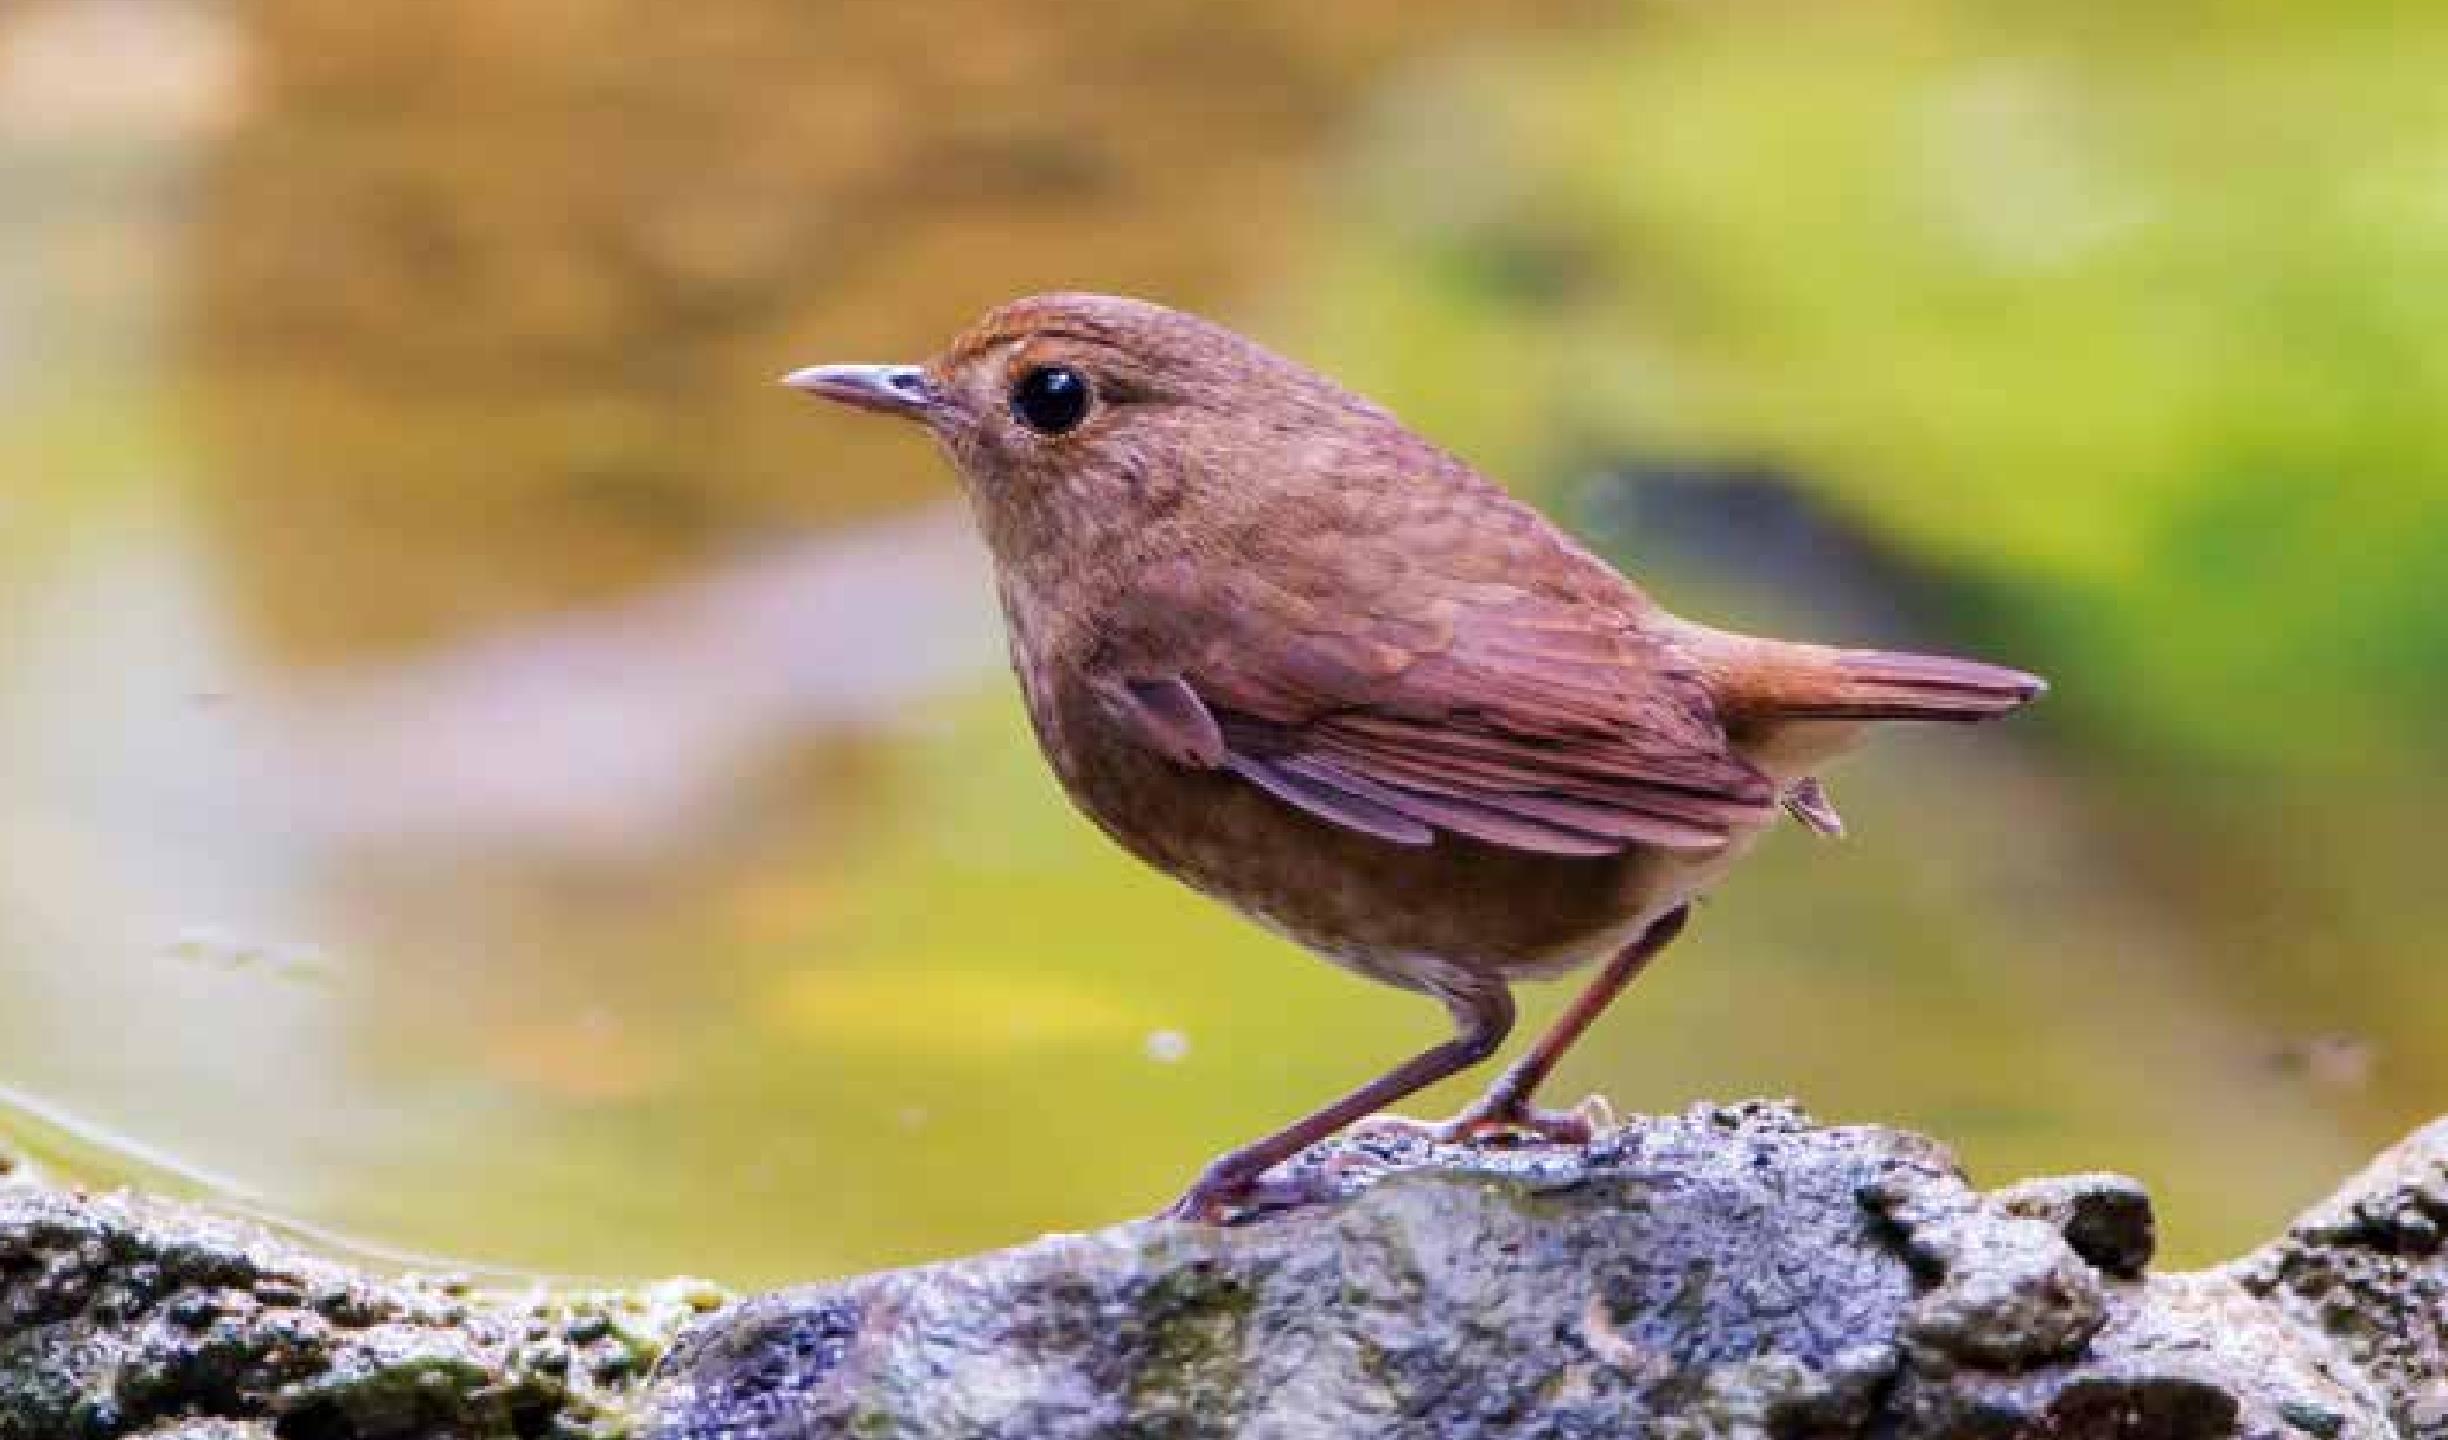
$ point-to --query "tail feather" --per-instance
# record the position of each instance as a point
(1774, 679)
(1894, 685)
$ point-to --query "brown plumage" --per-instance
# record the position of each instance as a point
(1289, 652)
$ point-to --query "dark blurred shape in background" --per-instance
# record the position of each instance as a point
(466, 734)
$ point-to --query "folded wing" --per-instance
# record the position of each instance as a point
(1526, 721)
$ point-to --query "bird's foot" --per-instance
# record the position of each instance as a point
(1207, 1202)
(1223, 1193)
(1500, 1117)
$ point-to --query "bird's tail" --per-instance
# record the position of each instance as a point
(1759, 679)
(1898, 685)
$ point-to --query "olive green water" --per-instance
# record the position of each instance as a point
(486, 775)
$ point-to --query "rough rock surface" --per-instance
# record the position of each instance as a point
(2365, 1268)
(1728, 1272)
(121, 1315)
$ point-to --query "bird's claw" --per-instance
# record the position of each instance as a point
(1226, 1191)
(1503, 1117)
(1221, 1195)
(1201, 1204)
(1496, 1117)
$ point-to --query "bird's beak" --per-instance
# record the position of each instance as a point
(889, 389)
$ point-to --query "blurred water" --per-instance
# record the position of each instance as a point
(488, 776)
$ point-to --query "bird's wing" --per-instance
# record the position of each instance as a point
(1524, 718)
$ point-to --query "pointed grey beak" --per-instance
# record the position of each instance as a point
(889, 389)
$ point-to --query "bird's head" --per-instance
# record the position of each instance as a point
(1077, 421)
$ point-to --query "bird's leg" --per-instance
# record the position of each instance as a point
(1484, 1017)
(1506, 1105)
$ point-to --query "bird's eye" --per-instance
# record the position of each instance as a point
(1051, 399)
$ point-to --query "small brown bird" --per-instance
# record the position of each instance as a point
(1292, 654)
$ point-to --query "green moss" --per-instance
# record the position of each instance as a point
(1190, 1362)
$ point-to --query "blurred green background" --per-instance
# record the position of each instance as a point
(486, 775)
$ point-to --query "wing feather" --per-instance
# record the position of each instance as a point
(1408, 652)
(1538, 724)
(1344, 804)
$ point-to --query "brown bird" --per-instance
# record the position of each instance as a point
(1290, 653)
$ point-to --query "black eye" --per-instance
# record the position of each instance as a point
(1051, 399)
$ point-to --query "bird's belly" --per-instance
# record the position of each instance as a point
(1425, 917)
(1656, 881)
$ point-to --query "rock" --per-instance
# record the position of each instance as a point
(2365, 1269)
(2177, 1356)
(1715, 1265)
(1729, 1272)
(2005, 1291)
(121, 1315)
(2106, 1218)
